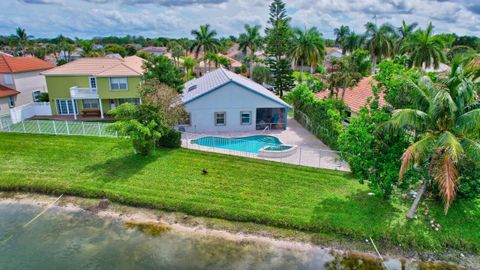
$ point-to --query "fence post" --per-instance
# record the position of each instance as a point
(320, 158)
(54, 127)
(8, 127)
(23, 125)
(83, 128)
(116, 134)
(68, 129)
(300, 156)
(38, 126)
(99, 130)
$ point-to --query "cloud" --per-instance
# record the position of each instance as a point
(42, 2)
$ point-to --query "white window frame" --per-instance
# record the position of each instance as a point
(36, 95)
(11, 101)
(94, 80)
(215, 118)
(119, 89)
(249, 118)
(74, 106)
(8, 81)
(90, 102)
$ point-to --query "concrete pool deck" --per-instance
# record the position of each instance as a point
(310, 152)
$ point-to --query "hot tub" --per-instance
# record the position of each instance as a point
(277, 151)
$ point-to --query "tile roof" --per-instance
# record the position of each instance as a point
(358, 96)
(10, 64)
(5, 91)
(128, 66)
(214, 79)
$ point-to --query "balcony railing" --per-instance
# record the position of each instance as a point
(83, 93)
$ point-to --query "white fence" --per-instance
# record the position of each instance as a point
(23, 112)
(57, 127)
(305, 156)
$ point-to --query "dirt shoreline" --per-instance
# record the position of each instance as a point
(233, 231)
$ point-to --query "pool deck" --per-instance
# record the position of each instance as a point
(310, 152)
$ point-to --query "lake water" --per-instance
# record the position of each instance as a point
(62, 239)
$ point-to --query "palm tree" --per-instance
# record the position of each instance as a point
(379, 42)
(309, 47)
(250, 40)
(205, 41)
(352, 41)
(340, 34)
(404, 33)
(22, 39)
(189, 63)
(177, 52)
(445, 123)
(210, 58)
(425, 49)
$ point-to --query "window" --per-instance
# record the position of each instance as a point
(36, 96)
(93, 82)
(90, 103)
(220, 118)
(118, 83)
(246, 118)
(128, 100)
(8, 79)
(187, 121)
(11, 101)
(65, 106)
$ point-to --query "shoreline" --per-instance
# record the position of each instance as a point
(233, 231)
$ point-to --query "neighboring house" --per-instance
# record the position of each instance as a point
(7, 99)
(222, 101)
(332, 52)
(357, 97)
(22, 74)
(155, 50)
(93, 86)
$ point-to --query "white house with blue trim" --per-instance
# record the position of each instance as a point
(222, 101)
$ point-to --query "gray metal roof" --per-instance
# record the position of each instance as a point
(215, 79)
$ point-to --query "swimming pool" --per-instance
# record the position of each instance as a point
(250, 144)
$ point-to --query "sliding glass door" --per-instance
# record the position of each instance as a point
(65, 106)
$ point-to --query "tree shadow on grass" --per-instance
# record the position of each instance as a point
(357, 215)
(123, 167)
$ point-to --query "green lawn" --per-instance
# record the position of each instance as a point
(235, 188)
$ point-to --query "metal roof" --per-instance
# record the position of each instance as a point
(215, 79)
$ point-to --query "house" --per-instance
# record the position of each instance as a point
(357, 97)
(332, 52)
(155, 50)
(20, 80)
(93, 86)
(222, 101)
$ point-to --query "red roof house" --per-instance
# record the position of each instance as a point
(10, 64)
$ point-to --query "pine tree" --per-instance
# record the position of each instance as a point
(278, 44)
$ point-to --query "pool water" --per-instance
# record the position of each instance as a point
(250, 144)
(278, 148)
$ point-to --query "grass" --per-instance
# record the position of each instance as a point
(235, 188)
(60, 127)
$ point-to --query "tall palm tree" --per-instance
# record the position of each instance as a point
(425, 49)
(309, 47)
(352, 41)
(205, 41)
(22, 39)
(189, 63)
(404, 32)
(445, 123)
(379, 42)
(340, 34)
(251, 41)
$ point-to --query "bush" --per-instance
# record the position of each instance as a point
(469, 187)
(171, 139)
(324, 118)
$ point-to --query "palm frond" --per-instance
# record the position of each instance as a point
(415, 153)
(469, 121)
(410, 117)
(472, 149)
(446, 177)
(449, 143)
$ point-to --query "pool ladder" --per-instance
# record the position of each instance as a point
(266, 129)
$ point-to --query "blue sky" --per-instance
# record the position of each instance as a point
(176, 18)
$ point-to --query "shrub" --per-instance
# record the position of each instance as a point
(469, 187)
(324, 118)
(171, 139)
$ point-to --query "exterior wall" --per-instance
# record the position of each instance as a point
(59, 88)
(4, 108)
(232, 99)
(26, 83)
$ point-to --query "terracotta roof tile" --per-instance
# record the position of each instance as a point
(10, 64)
(358, 96)
(5, 91)
(129, 66)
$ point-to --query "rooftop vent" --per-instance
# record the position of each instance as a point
(191, 88)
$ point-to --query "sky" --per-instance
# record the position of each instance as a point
(176, 18)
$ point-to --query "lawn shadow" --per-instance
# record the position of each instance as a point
(357, 215)
(123, 167)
